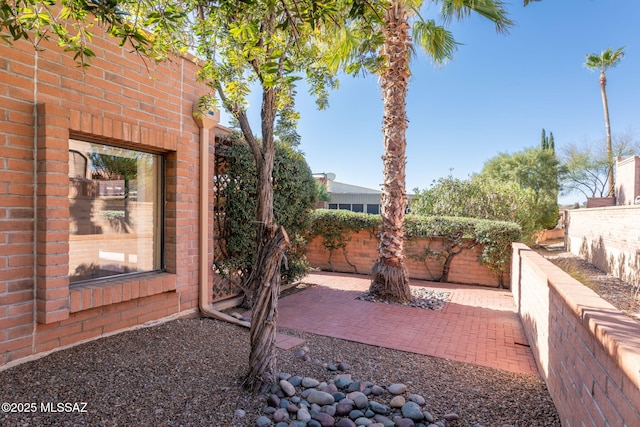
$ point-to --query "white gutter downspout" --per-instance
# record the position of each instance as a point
(206, 121)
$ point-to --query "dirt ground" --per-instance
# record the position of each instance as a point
(622, 295)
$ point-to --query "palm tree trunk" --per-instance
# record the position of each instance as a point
(605, 106)
(390, 279)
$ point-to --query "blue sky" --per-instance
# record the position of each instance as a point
(496, 95)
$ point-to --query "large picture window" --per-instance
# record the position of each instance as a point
(115, 199)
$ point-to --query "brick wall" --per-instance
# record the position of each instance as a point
(362, 251)
(608, 238)
(45, 100)
(587, 351)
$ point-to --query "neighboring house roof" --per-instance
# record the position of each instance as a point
(342, 188)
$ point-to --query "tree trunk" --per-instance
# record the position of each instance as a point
(605, 106)
(390, 279)
(266, 279)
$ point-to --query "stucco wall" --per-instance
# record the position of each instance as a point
(608, 238)
(627, 180)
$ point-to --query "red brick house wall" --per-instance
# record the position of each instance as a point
(45, 99)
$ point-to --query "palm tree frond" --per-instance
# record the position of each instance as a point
(493, 10)
(604, 60)
(435, 40)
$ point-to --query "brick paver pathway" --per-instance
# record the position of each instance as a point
(478, 325)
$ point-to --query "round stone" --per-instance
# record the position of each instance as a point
(309, 382)
(338, 395)
(362, 421)
(397, 402)
(376, 390)
(292, 409)
(428, 417)
(280, 415)
(303, 414)
(343, 409)
(451, 417)
(324, 419)
(386, 422)
(343, 366)
(417, 398)
(287, 387)
(273, 400)
(330, 388)
(320, 398)
(379, 408)
(359, 399)
(342, 381)
(356, 386)
(345, 422)
(412, 410)
(397, 388)
(329, 409)
(295, 381)
(404, 422)
(284, 376)
(240, 413)
(355, 414)
(263, 421)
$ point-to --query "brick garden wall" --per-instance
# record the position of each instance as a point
(587, 351)
(608, 238)
(362, 251)
(45, 99)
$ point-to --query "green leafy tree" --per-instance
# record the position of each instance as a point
(548, 142)
(150, 28)
(269, 46)
(242, 44)
(477, 197)
(534, 169)
(603, 62)
(585, 166)
(294, 197)
(380, 41)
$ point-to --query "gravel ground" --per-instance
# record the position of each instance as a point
(187, 373)
(622, 295)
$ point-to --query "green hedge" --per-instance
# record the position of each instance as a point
(335, 227)
(295, 195)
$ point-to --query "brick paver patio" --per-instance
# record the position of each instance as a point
(478, 325)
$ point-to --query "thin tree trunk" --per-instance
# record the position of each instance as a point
(605, 106)
(262, 358)
(390, 279)
(263, 284)
(264, 281)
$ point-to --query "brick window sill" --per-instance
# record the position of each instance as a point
(106, 292)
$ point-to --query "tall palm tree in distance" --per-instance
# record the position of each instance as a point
(602, 62)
